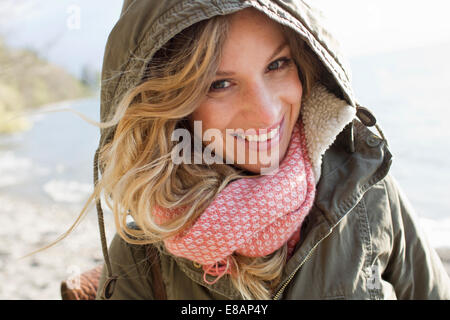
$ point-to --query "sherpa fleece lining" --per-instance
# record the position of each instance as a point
(324, 116)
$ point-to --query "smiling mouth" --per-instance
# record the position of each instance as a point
(257, 138)
(263, 137)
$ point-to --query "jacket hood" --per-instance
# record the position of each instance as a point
(145, 26)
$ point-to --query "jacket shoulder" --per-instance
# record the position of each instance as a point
(408, 260)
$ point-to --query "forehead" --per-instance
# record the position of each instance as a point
(251, 20)
(251, 34)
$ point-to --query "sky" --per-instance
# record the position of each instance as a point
(69, 33)
(73, 33)
(376, 26)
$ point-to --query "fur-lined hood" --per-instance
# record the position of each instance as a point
(137, 36)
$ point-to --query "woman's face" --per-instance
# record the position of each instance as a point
(256, 87)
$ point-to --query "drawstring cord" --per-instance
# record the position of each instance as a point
(220, 269)
(381, 134)
(108, 288)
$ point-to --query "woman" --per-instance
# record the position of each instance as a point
(302, 207)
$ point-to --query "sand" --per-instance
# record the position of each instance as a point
(28, 226)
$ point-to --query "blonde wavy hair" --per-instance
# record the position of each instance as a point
(137, 169)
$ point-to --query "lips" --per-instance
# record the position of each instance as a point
(270, 143)
(266, 130)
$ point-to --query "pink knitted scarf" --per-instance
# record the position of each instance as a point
(253, 217)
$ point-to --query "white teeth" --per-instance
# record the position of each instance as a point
(241, 136)
(261, 137)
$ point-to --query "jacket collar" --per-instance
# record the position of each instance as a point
(324, 116)
(348, 175)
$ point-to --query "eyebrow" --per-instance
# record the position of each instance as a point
(277, 51)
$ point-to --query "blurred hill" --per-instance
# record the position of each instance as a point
(27, 81)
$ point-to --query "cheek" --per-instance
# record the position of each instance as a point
(212, 116)
(292, 96)
(294, 89)
(202, 114)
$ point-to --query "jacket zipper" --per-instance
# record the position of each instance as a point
(277, 296)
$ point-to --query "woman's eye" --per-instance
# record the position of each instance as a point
(279, 64)
(219, 85)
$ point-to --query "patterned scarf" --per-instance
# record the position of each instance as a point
(253, 217)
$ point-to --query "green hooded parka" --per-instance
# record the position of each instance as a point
(361, 239)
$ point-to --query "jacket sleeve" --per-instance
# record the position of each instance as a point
(129, 263)
(414, 268)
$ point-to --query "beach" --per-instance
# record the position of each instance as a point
(27, 226)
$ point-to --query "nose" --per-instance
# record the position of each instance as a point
(262, 105)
